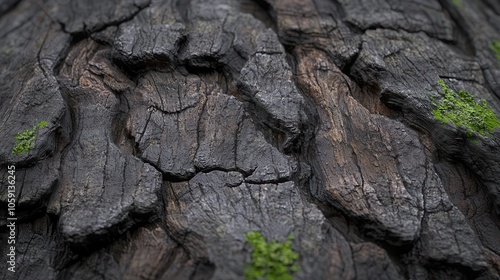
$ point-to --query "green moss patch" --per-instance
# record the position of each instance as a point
(462, 110)
(270, 260)
(457, 3)
(495, 47)
(25, 141)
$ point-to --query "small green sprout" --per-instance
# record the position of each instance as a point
(271, 260)
(462, 110)
(25, 141)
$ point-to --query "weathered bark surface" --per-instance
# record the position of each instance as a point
(175, 127)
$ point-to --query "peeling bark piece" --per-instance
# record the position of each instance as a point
(357, 158)
(411, 16)
(267, 81)
(319, 25)
(406, 68)
(160, 42)
(172, 92)
(153, 38)
(257, 157)
(93, 15)
(34, 186)
(364, 255)
(219, 126)
(103, 191)
(166, 131)
(446, 237)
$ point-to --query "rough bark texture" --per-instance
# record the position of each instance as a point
(177, 126)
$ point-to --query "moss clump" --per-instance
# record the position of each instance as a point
(270, 260)
(457, 3)
(495, 47)
(25, 141)
(462, 110)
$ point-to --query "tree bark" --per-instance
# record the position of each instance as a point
(176, 127)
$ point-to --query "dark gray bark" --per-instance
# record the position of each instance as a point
(176, 127)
